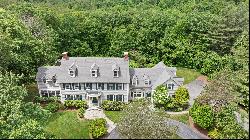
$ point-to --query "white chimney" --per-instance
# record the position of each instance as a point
(126, 56)
(65, 56)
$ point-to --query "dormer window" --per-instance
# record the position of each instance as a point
(135, 80)
(44, 79)
(94, 73)
(54, 79)
(146, 79)
(71, 72)
(94, 70)
(116, 70)
(116, 74)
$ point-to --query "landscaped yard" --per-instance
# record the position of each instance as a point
(188, 74)
(66, 125)
(113, 115)
(181, 118)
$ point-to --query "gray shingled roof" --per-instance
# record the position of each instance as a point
(83, 65)
(158, 74)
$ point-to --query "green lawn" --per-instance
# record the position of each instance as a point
(188, 74)
(113, 115)
(182, 118)
(66, 125)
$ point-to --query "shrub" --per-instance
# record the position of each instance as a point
(80, 104)
(81, 112)
(160, 96)
(38, 99)
(202, 115)
(181, 97)
(75, 104)
(52, 107)
(214, 134)
(113, 105)
(97, 127)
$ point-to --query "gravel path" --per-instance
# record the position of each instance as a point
(194, 88)
(183, 131)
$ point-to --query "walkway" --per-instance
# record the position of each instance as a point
(96, 112)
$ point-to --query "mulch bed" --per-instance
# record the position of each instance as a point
(194, 126)
(202, 78)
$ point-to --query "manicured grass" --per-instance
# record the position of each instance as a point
(188, 74)
(182, 118)
(66, 125)
(113, 115)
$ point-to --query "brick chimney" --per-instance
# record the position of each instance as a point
(126, 56)
(65, 56)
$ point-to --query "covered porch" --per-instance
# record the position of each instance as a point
(94, 98)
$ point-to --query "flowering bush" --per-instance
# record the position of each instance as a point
(113, 105)
(160, 96)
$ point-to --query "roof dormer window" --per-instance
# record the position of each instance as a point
(146, 79)
(54, 79)
(44, 79)
(94, 73)
(71, 72)
(116, 73)
(94, 70)
(116, 70)
(135, 80)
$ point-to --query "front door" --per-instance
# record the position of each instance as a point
(94, 101)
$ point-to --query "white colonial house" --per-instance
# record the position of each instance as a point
(96, 79)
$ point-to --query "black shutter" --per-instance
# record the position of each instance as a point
(90, 86)
(73, 86)
(79, 86)
(63, 86)
(96, 86)
(116, 86)
(123, 86)
(70, 86)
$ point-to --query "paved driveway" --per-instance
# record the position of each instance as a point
(183, 131)
(194, 88)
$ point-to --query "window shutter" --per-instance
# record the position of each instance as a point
(70, 86)
(63, 86)
(79, 86)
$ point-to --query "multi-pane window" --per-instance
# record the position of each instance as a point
(44, 93)
(110, 97)
(51, 93)
(68, 97)
(171, 86)
(118, 86)
(101, 86)
(58, 93)
(119, 97)
(67, 86)
(94, 73)
(78, 97)
(116, 74)
(146, 81)
(88, 86)
(76, 86)
(111, 86)
(135, 80)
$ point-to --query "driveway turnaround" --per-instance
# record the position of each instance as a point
(183, 131)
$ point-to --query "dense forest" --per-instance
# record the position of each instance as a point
(211, 36)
